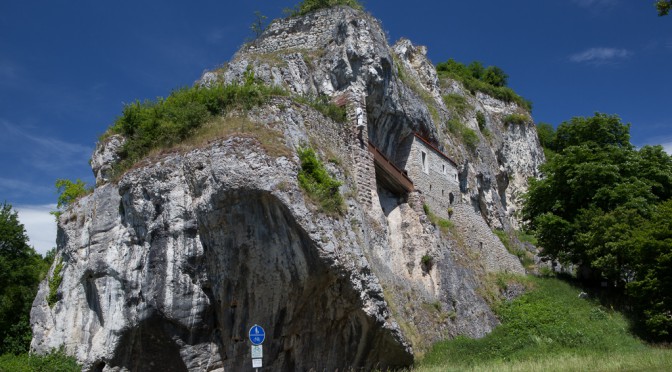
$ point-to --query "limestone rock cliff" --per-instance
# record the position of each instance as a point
(168, 267)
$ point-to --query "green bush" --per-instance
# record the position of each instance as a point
(323, 104)
(518, 119)
(316, 181)
(427, 262)
(491, 80)
(307, 6)
(54, 283)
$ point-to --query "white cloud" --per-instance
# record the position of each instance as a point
(40, 225)
(46, 153)
(600, 55)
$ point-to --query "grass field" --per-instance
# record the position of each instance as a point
(551, 329)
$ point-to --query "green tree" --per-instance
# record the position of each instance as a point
(476, 70)
(259, 25)
(21, 270)
(69, 192)
(663, 7)
(495, 76)
(600, 206)
(652, 284)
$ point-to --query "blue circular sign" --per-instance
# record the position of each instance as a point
(257, 335)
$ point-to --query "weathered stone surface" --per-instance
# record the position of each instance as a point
(168, 268)
(105, 156)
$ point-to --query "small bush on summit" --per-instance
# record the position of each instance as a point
(320, 186)
(307, 6)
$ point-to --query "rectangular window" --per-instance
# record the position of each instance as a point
(443, 169)
(425, 165)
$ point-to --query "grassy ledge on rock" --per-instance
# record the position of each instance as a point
(318, 184)
(162, 123)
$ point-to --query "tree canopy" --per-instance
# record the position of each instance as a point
(597, 205)
(21, 270)
(663, 7)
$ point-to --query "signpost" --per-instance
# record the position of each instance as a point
(257, 337)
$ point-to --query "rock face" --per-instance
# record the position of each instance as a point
(168, 268)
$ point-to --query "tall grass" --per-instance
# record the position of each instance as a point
(550, 328)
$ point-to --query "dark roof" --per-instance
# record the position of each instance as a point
(435, 149)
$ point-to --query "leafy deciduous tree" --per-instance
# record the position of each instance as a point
(21, 270)
(601, 205)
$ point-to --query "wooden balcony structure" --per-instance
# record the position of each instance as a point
(388, 174)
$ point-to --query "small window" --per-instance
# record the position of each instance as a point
(425, 165)
(443, 169)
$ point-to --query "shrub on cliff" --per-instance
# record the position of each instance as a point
(317, 182)
(307, 6)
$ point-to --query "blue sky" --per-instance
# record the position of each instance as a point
(67, 68)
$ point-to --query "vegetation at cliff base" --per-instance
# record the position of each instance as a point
(490, 80)
(307, 6)
(318, 184)
(56, 361)
(167, 121)
(549, 328)
(606, 207)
